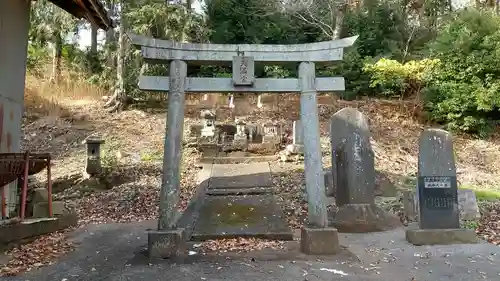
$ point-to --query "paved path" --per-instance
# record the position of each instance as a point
(240, 203)
(113, 252)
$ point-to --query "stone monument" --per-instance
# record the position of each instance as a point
(438, 220)
(166, 240)
(297, 147)
(353, 168)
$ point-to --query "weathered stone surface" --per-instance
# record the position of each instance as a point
(41, 209)
(360, 218)
(93, 164)
(241, 176)
(353, 166)
(384, 186)
(35, 227)
(243, 71)
(295, 149)
(166, 243)
(467, 205)
(258, 216)
(319, 241)
(437, 181)
(417, 236)
(410, 205)
(298, 133)
(209, 149)
(39, 195)
(328, 178)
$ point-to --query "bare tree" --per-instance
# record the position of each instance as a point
(327, 15)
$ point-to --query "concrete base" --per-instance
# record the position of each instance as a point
(420, 237)
(16, 232)
(362, 218)
(319, 241)
(166, 243)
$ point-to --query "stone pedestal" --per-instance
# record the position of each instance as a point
(419, 237)
(209, 149)
(319, 241)
(361, 218)
(166, 243)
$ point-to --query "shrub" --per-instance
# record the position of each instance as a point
(393, 78)
(464, 90)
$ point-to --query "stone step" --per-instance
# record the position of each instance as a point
(240, 191)
(238, 160)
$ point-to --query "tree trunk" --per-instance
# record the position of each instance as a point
(339, 21)
(187, 18)
(93, 40)
(110, 37)
(56, 58)
(119, 98)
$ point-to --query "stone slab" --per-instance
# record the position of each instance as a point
(35, 227)
(238, 159)
(258, 216)
(421, 237)
(240, 191)
(41, 209)
(240, 176)
(166, 243)
(319, 241)
(467, 205)
(361, 218)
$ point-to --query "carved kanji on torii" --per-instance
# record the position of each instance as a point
(243, 58)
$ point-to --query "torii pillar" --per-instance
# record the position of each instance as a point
(14, 29)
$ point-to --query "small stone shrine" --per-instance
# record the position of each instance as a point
(208, 130)
(240, 140)
(438, 221)
(354, 176)
(270, 133)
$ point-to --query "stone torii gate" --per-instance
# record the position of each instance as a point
(243, 58)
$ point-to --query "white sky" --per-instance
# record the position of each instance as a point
(84, 34)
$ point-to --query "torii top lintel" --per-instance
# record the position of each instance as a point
(161, 51)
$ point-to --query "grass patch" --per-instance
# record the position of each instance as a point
(152, 156)
(485, 194)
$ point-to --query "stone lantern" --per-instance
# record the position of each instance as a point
(93, 165)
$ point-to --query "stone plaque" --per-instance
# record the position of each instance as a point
(243, 71)
(437, 181)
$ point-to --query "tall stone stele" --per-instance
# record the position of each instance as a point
(438, 218)
(353, 171)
